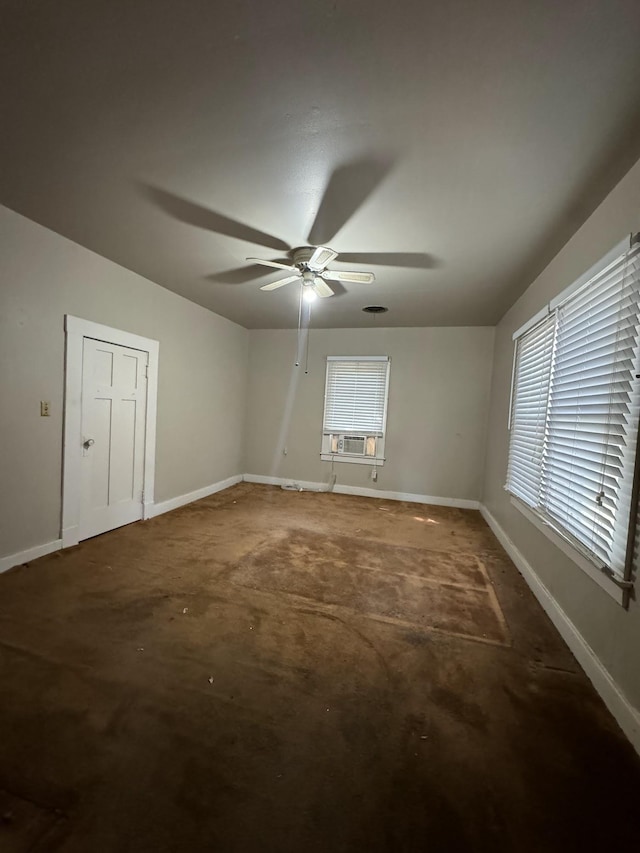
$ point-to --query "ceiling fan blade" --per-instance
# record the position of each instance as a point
(280, 283)
(276, 264)
(321, 288)
(321, 258)
(411, 260)
(340, 275)
(202, 217)
(349, 187)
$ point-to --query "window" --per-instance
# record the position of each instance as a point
(574, 411)
(355, 408)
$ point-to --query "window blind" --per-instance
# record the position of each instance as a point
(355, 395)
(575, 408)
(532, 375)
(593, 412)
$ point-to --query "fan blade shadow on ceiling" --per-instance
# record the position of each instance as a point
(410, 260)
(202, 217)
(241, 275)
(350, 185)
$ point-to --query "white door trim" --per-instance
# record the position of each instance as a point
(76, 330)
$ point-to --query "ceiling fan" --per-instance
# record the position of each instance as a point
(349, 187)
(309, 267)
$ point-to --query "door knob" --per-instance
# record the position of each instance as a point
(87, 443)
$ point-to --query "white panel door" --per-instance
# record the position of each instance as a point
(114, 395)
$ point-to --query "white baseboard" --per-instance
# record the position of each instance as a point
(28, 555)
(151, 510)
(284, 481)
(626, 715)
(434, 500)
(70, 536)
(460, 503)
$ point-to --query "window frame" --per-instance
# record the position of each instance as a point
(326, 454)
(577, 551)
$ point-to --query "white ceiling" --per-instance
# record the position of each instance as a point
(473, 137)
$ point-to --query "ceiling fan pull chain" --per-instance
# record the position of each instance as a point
(306, 358)
(299, 327)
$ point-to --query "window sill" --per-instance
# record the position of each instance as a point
(570, 551)
(374, 461)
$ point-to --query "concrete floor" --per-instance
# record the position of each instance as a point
(275, 671)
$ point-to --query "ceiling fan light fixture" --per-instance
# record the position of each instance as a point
(308, 294)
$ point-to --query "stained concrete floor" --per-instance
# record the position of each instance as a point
(274, 671)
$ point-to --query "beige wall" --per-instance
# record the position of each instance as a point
(202, 375)
(438, 403)
(612, 633)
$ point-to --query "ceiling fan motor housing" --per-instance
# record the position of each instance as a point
(302, 256)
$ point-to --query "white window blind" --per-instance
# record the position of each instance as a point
(356, 395)
(528, 412)
(575, 407)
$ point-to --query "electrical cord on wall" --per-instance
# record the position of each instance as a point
(296, 487)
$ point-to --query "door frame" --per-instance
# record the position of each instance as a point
(76, 329)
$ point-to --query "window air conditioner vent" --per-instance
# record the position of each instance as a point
(353, 444)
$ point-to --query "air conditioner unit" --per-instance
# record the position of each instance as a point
(354, 445)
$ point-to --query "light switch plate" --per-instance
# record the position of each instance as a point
(44, 408)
